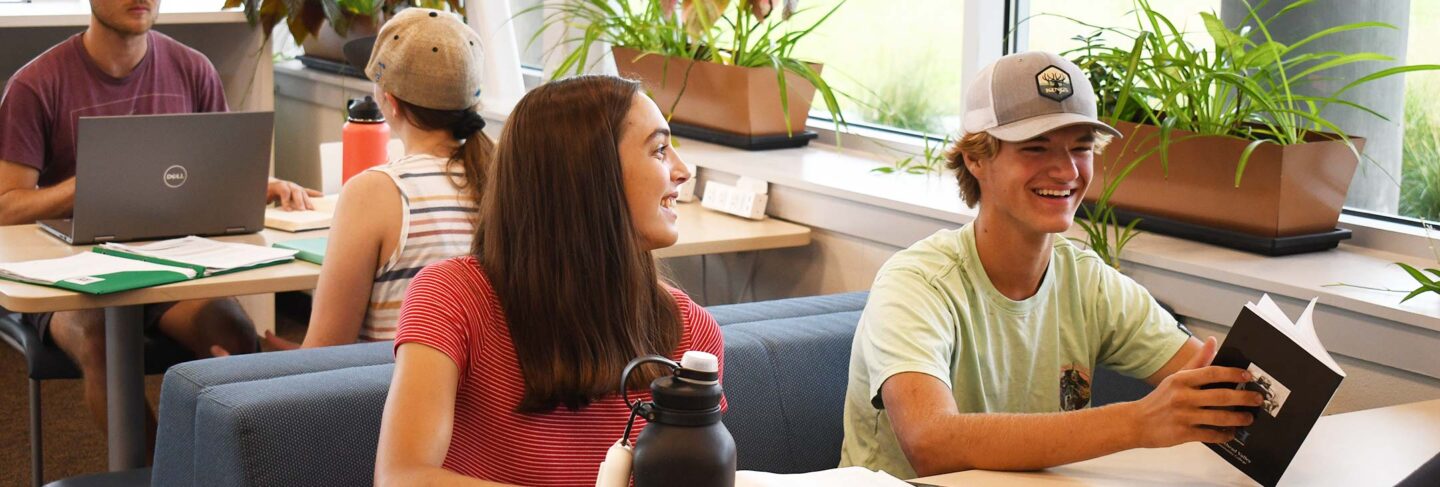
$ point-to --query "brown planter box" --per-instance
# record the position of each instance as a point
(718, 97)
(326, 44)
(1285, 190)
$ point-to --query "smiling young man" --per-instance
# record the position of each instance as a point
(976, 347)
(117, 66)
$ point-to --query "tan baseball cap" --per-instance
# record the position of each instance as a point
(1023, 95)
(429, 58)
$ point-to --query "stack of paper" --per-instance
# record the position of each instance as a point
(299, 221)
(94, 273)
(209, 256)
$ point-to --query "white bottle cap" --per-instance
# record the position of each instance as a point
(700, 361)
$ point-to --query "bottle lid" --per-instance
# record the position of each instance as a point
(364, 110)
(700, 361)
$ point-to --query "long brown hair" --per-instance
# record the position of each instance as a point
(581, 296)
(474, 155)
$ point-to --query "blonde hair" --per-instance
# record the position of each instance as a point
(982, 146)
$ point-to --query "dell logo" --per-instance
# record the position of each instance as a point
(175, 176)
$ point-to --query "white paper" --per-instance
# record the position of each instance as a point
(80, 268)
(848, 476)
(213, 255)
(298, 221)
(1301, 331)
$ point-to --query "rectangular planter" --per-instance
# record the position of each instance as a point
(729, 99)
(1285, 190)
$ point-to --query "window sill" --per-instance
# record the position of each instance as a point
(1200, 280)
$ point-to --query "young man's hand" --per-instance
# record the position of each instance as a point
(291, 196)
(1179, 411)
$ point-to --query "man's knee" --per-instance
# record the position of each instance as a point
(225, 321)
(81, 335)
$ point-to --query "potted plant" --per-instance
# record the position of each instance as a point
(348, 19)
(730, 70)
(1199, 122)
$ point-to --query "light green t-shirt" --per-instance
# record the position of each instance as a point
(933, 310)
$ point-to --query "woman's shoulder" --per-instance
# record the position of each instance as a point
(464, 268)
(691, 313)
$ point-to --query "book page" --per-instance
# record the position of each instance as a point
(80, 266)
(1305, 327)
(1302, 331)
(211, 254)
(848, 476)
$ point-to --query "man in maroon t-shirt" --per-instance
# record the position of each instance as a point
(116, 67)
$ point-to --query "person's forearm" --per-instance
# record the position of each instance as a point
(1023, 441)
(22, 206)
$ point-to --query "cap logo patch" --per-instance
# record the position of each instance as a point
(1054, 83)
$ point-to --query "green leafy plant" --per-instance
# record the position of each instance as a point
(1245, 85)
(304, 18)
(931, 159)
(705, 30)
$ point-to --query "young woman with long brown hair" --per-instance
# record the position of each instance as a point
(507, 361)
(420, 208)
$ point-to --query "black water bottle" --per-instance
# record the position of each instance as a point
(684, 444)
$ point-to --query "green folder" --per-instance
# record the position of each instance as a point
(200, 270)
(114, 282)
(309, 249)
(109, 282)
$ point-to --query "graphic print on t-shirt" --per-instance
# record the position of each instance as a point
(1074, 388)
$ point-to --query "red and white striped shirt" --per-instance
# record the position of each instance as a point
(451, 307)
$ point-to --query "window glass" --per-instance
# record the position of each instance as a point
(898, 63)
(1420, 174)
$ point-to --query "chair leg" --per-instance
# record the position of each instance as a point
(37, 454)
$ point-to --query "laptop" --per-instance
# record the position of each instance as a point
(148, 177)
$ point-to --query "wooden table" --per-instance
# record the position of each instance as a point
(704, 231)
(124, 317)
(1372, 447)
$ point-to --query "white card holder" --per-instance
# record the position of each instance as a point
(742, 200)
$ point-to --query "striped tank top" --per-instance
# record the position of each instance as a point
(437, 223)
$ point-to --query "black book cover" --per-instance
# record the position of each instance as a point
(1296, 384)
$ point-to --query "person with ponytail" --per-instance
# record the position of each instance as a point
(507, 362)
(420, 207)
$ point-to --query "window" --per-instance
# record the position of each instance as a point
(1053, 24)
(898, 63)
(527, 22)
(1420, 148)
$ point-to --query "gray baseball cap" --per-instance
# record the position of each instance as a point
(1023, 95)
(429, 58)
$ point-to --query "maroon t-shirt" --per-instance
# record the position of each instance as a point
(42, 104)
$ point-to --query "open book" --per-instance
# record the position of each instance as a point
(1292, 371)
(299, 221)
(848, 476)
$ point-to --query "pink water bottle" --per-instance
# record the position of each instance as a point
(364, 138)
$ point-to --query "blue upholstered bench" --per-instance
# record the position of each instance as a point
(312, 417)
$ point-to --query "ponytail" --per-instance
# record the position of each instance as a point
(473, 156)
